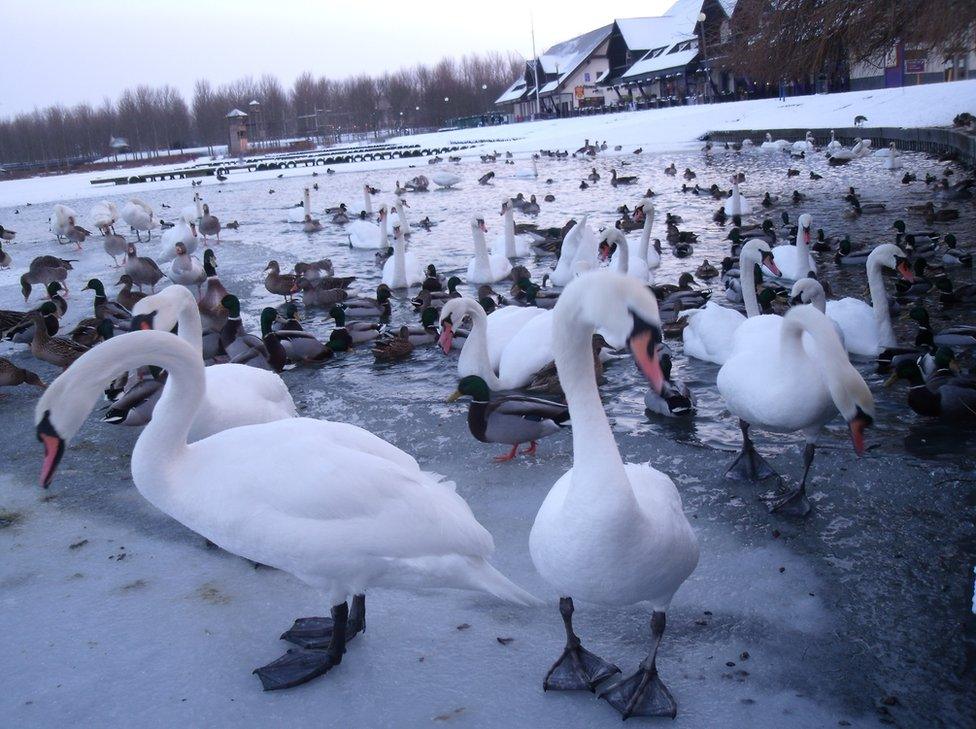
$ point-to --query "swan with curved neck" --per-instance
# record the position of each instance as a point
(363, 234)
(795, 262)
(608, 532)
(235, 394)
(643, 265)
(867, 329)
(572, 242)
(710, 333)
(336, 506)
(621, 256)
(795, 381)
(485, 268)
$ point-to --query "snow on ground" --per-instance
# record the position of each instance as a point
(654, 129)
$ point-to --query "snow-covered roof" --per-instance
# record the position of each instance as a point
(513, 92)
(549, 87)
(564, 58)
(670, 40)
(664, 61)
(640, 34)
(236, 114)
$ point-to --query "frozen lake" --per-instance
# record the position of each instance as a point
(110, 610)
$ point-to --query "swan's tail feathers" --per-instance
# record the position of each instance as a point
(486, 578)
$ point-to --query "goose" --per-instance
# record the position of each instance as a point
(11, 375)
(142, 270)
(485, 268)
(236, 395)
(445, 180)
(403, 269)
(780, 383)
(621, 180)
(187, 269)
(512, 419)
(45, 270)
(488, 338)
(610, 533)
(795, 262)
(737, 205)
(867, 327)
(115, 245)
(139, 216)
(385, 523)
(710, 332)
(363, 234)
(209, 225)
(103, 216)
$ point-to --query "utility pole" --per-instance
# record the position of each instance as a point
(535, 67)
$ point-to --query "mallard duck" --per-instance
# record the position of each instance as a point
(944, 394)
(957, 335)
(11, 375)
(433, 281)
(546, 380)
(426, 333)
(675, 399)
(358, 331)
(209, 225)
(278, 283)
(300, 347)
(59, 351)
(427, 298)
(594, 176)
(513, 419)
(671, 170)
(212, 312)
(126, 296)
(362, 307)
(106, 309)
(45, 270)
(141, 269)
(847, 256)
(89, 332)
(616, 179)
(393, 348)
(242, 347)
(706, 271)
(320, 295)
(953, 256)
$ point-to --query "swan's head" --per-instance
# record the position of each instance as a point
(757, 251)
(506, 206)
(452, 313)
(893, 257)
(804, 222)
(382, 212)
(478, 223)
(165, 307)
(624, 311)
(806, 291)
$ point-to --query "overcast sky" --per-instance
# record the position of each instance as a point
(69, 51)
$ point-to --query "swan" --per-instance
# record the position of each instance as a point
(621, 258)
(445, 179)
(736, 204)
(490, 334)
(139, 216)
(103, 216)
(236, 394)
(892, 158)
(646, 260)
(805, 146)
(193, 212)
(367, 201)
(795, 262)
(810, 291)
(332, 504)
(786, 385)
(485, 268)
(514, 247)
(608, 532)
(64, 220)
(710, 333)
(527, 174)
(181, 232)
(403, 269)
(833, 145)
(297, 215)
(770, 146)
(867, 327)
(363, 234)
(580, 246)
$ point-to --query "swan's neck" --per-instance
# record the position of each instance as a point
(623, 250)
(747, 275)
(645, 238)
(399, 259)
(307, 204)
(830, 356)
(599, 480)
(802, 249)
(819, 300)
(367, 202)
(404, 223)
(189, 326)
(474, 353)
(199, 203)
(384, 235)
(510, 233)
(879, 302)
(480, 247)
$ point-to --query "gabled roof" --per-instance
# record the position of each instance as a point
(662, 62)
(640, 34)
(564, 58)
(671, 41)
(513, 93)
(236, 114)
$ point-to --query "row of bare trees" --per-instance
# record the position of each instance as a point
(155, 119)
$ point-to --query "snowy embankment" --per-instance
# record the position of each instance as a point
(655, 129)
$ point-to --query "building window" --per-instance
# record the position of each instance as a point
(586, 76)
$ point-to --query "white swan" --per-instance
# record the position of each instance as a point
(193, 212)
(608, 532)
(736, 204)
(506, 240)
(297, 215)
(485, 268)
(580, 246)
(527, 174)
(807, 145)
(710, 333)
(63, 220)
(787, 385)
(103, 216)
(795, 262)
(647, 258)
(236, 394)
(810, 291)
(867, 328)
(181, 232)
(367, 201)
(330, 503)
(833, 145)
(403, 269)
(770, 146)
(445, 179)
(363, 234)
(139, 216)
(621, 257)
(398, 215)
(489, 336)
(892, 158)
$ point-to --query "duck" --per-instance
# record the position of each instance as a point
(140, 216)
(301, 347)
(594, 176)
(776, 381)
(956, 335)
(314, 294)
(276, 282)
(115, 245)
(795, 262)
(358, 331)
(11, 375)
(59, 351)
(706, 271)
(143, 270)
(671, 170)
(944, 394)
(409, 527)
(867, 327)
(114, 311)
(952, 255)
(484, 267)
(235, 395)
(393, 348)
(209, 224)
(361, 306)
(847, 256)
(710, 332)
(675, 400)
(248, 349)
(212, 312)
(403, 269)
(616, 179)
(45, 270)
(187, 270)
(610, 533)
(950, 294)
(511, 419)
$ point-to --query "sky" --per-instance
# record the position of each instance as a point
(68, 51)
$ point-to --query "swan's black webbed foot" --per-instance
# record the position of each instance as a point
(300, 665)
(794, 503)
(643, 693)
(317, 632)
(749, 465)
(577, 669)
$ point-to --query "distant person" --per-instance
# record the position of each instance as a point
(782, 89)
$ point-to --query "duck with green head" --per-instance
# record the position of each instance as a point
(365, 307)
(945, 394)
(104, 308)
(357, 332)
(511, 419)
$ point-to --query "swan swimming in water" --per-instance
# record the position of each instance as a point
(485, 268)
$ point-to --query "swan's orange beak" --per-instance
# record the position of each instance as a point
(53, 449)
(446, 338)
(769, 263)
(857, 426)
(906, 272)
(644, 350)
(481, 224)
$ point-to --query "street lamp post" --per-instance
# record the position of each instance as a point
(704, 54)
